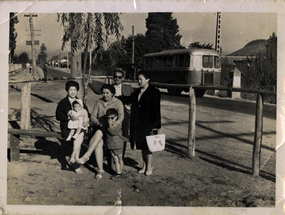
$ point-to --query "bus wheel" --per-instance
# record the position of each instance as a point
(174, 91)
(199, 93)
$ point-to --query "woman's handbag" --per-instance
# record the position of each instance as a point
(156, 142)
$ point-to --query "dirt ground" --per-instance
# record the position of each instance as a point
(218, 176)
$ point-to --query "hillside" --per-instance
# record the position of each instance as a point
(252, 48)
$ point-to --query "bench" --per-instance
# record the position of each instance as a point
(14, 139)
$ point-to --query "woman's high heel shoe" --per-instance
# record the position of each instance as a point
(149, 172)
(141, 171)
(82, 160)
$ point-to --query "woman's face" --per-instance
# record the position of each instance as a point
(107, 95)
(72, 92)
(143, 82)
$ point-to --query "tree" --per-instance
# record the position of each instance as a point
(140, 48)
(88, 32)
(12, 35)
(262, 68)
(42, 57)
(198, 45)
(162, 32)
(23, 58)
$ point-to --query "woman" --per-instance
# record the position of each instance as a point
(63, 107)
(145, 118)
(98, 118)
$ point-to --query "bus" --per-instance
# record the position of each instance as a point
(184, 66)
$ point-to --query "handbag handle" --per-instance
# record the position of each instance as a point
(155, 129)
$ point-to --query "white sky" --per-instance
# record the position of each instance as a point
(237, 29)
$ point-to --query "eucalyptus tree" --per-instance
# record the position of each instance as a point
(88, 32)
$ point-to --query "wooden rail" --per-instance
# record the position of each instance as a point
(15, 142)
(192, 118)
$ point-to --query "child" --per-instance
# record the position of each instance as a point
(114, 141)
(81, 116)
(81, 122)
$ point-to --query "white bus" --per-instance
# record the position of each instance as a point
(184, 66)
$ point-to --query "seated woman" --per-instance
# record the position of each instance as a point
(98, 118)
(63, 107)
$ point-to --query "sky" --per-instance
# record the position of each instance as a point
(237, 29)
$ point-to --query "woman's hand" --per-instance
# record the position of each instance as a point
(73, 118)
(115, 124)
(85, 124)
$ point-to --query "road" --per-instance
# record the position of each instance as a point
(56, 73)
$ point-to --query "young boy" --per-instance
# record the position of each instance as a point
(114, 141)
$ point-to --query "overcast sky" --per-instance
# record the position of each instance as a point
(237, 29)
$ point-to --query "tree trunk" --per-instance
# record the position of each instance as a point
(84, 79)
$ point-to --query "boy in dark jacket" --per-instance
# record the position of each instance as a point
(114, 141)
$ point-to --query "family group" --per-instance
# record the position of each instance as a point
(123, 114)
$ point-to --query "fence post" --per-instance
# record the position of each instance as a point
(26, 106)
(257, 136)
(191, 126)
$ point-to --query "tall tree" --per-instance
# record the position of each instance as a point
(23, 58)
(12, 35)
(42, 57)
(162, 32)
(88, 32)
(140, 48)
(261, 72)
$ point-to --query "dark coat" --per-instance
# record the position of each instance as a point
(145, 115)
(62, 109)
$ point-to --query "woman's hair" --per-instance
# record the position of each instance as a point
(71, 84)
(145, 74)
(111, 111)
(109, 87)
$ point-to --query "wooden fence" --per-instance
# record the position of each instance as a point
(25, 101)
(192, 118)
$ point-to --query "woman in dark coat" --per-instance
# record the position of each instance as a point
(145, 117)
(63, 107)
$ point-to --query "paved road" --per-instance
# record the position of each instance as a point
(55, 73)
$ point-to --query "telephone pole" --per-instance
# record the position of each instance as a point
(218, 33)
(32, 41)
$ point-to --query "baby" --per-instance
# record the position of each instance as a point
(81, 119)
(114, 141)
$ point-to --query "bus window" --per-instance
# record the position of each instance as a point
(197, 61)
(207, 61)
(186, 60)
(174, 61)
(164, 61)
(217, 62)
(180, 60)
(169, 61)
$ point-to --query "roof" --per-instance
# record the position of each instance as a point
(183, 51)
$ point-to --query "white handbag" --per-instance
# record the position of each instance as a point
(156, 142)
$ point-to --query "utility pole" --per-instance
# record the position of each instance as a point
(32, 41)
(218, 33)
